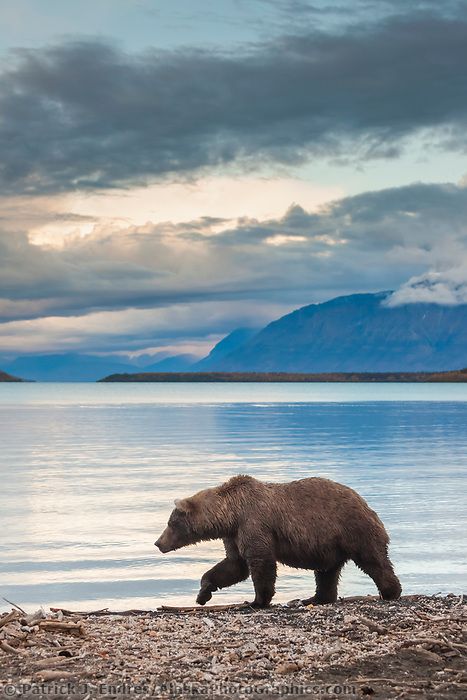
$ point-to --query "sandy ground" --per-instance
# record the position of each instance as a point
(416, 647)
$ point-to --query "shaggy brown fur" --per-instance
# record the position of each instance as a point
(310, 524)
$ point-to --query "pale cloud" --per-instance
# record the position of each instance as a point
(179, 328)
(227, 198)
(46, 219)
(281, 239)
(447, 288)
(151, 285)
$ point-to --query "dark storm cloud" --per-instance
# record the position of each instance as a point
(373, 241)
(86, 115)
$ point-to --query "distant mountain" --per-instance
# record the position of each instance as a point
(224, 347)
(67, 367)
(357, 333)
(173, 363)
(4, 377)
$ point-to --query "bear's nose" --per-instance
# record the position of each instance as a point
(157, 543)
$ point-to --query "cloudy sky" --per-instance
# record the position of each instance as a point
(170, 171)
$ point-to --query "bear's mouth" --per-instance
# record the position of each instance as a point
(163, 547)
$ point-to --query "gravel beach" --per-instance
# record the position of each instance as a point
(415, 647)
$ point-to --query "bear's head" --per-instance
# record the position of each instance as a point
(181, 528)
(208, 515)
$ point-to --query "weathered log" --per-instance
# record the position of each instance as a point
(75, 628)
(8, 648)
(11, 617)
(103, 612)
(69, 613)
(199, 609)
(54, 675)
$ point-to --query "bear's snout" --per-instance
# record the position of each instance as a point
(164, 543)
(161, 546)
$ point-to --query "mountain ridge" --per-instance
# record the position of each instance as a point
(357, 333)
(224, 347)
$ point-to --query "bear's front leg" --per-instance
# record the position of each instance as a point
(263, 571)
(226, 573)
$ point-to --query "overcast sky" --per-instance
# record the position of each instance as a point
(170, 171)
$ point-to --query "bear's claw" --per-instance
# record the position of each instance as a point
(205, 594)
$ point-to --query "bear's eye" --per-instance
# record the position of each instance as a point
(177, 517)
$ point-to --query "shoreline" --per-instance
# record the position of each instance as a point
(357, 646)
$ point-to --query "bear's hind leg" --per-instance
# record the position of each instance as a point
(226, 573)
(326, 586)
(380, 569)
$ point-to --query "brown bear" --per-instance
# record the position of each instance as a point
(310, 524)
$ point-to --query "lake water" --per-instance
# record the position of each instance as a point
(88, 474)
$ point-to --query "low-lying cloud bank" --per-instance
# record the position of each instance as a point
(160, 283)
(86, 115)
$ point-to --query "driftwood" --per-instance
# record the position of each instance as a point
(209, 608)
(8, 648)
(13, 605)
(70, 613)
(75, 628)
(47, 676)
(13, 615)
(103, 612)
(51, 662)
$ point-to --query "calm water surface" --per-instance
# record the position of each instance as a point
(89, 472)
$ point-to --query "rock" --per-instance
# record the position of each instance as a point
(288, 667)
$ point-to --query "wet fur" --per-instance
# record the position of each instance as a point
(310, 524)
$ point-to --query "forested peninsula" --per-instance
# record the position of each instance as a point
(452, 376)
(4, 377)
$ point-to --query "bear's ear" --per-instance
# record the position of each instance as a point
(183, 504)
